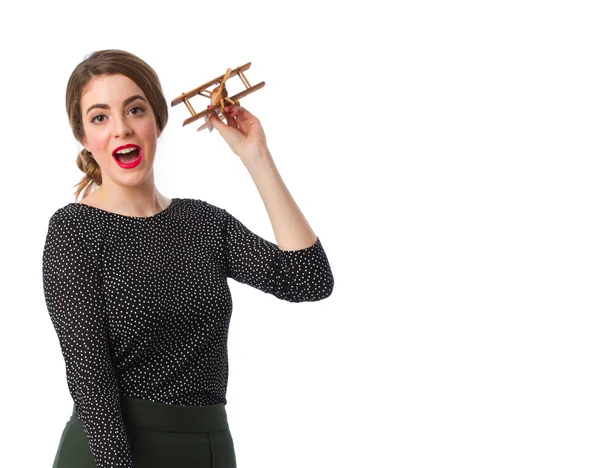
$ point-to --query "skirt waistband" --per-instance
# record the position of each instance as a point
(144, 414)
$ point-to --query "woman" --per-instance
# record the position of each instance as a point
(136, 283)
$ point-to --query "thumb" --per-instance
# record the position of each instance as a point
(216, 122)
(229, 134)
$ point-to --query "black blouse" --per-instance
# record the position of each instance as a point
(141, 305)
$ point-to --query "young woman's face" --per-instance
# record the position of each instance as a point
(115, 113)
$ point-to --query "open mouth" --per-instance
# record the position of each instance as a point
(127, 156)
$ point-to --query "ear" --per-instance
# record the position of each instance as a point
(83, 142)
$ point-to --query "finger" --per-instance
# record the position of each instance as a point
(230, 120)
(242, 111)
(245, 119)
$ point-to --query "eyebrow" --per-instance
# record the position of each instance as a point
(125, 102)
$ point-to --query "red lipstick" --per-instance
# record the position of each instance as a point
(131, 164)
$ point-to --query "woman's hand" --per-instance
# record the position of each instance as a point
(243, 132)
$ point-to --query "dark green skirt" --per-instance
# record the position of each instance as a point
(161, 436)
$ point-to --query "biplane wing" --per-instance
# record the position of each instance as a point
(201, 90)
(184, 96)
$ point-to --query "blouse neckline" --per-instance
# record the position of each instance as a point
(110, 213)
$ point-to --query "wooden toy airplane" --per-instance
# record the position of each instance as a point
(218, 96)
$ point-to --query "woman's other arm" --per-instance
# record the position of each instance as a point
(75, 302)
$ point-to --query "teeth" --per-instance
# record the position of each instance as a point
(126, 150)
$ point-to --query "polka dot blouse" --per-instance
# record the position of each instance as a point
(141, 305)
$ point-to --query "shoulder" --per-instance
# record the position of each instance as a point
(72, 223)
(203, 208)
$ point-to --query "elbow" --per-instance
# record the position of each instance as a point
(317, 292)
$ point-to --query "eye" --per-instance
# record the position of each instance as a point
(138, 108)
(97, 117)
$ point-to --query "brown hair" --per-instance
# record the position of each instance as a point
(103, 63)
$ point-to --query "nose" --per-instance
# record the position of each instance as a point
(122, 128)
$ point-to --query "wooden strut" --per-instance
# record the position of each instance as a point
(188, 104)
(244, 80)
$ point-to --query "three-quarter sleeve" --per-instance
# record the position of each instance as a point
(75, 302)
(292, 275)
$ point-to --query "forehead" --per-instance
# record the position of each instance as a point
(111, 90)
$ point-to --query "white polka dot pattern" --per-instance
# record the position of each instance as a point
(141, 305)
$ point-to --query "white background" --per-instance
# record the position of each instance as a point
(446, 154)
